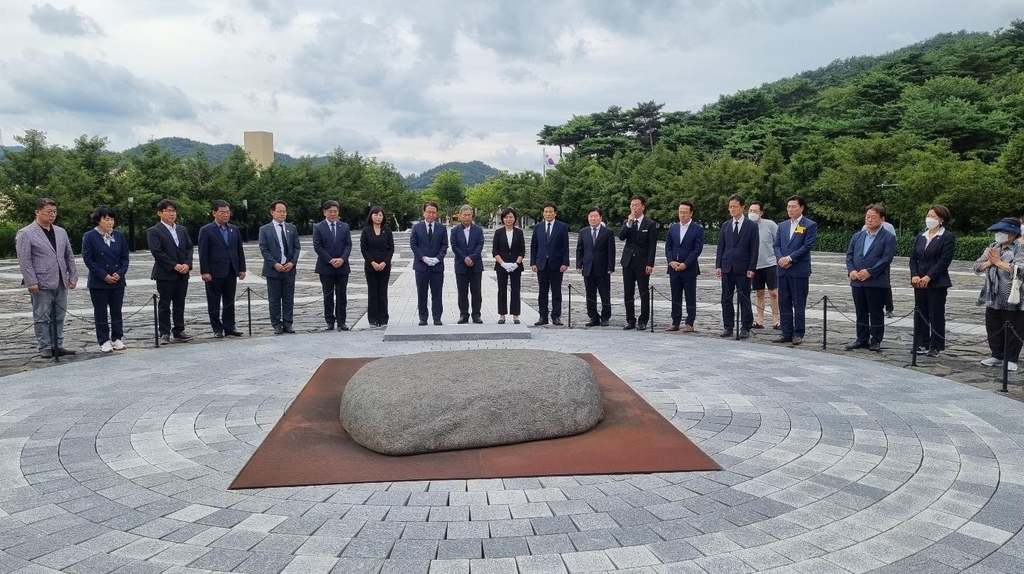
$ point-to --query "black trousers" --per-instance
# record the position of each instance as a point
(930, 318)
(221, 293)
(516, 279)
(869, 303)
(683, 286)
(281, 299)
(433, 282)
(377, 283)
(335, 291)
(102, 301)
(467, 284)
(995, 319)
(633, 277)
(888, 300)
(549, 280)
(599, 285)
(172, 294)
(740, 284)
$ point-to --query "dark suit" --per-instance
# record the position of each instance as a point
(379, 249)
(467, 277)
(170, 285)
(103, 260)
(637, 254)
(794, 281)
(549, 254)
(932, 260)
(280, 285)
(223, 261)
(684, 282)
(869, 295)
(595, 260)
(500, 247)
(428, 278)
(735, 256)
(333, 280)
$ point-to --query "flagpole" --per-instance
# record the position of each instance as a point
(544, 160)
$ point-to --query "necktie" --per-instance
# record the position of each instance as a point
(636, 224)
(736, 228)
(594, 229)
(549, 232)
(430, 231)
(284, 243)
(334, 232)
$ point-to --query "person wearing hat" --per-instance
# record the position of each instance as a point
(997, 264)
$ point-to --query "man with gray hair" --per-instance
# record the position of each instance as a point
(48, 271)
(467, 244)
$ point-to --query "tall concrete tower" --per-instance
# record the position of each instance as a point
(259, 146)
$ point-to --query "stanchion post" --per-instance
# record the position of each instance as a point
(824, 323)
(568, 323)
(913, 344)
(650, 306)
(736, 324)
(1007, 332)
(248, 307)
(54, 347)
(156, 323)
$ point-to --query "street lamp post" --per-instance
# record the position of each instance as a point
(245, 221)
(131, 223)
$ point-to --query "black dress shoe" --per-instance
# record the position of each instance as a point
(289, 330)
(557, 322)
(593, 323)
(438, 322)
(540, 322)
(501, 321)
(629, 326)
(744, 333)
(875, 347)
(232, 333)
(641, 326)
(463, 320)
(278, 330)
(423, 323)
(933, 352)
(725, 334)
(218, 335)
(61, 351)
(516, 321)
(856, 345)
(781, 339)
(342, 327)
(330, 326)
(604, 323)
(477, 320)
(182, 337)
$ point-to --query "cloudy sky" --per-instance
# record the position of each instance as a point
(418, 82)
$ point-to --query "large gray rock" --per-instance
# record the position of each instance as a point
(450, 400)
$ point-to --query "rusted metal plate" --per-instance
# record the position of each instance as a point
(309, 446)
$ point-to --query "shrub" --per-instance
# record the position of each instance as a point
(7, 232)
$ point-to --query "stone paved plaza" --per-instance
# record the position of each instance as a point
(833, 462)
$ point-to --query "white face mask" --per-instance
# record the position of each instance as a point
(1002, 237)
(1022, 229)
(756, 216)
(931, 222)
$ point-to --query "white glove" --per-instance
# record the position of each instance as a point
(510, 267)
(434, 261)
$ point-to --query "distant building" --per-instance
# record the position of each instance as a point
(259, 146)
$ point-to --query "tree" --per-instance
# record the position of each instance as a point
(449, 192)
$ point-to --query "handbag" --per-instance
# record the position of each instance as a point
(1014, 297)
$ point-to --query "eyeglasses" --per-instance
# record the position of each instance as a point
(49, 211)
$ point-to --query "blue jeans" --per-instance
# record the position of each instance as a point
(45, 324)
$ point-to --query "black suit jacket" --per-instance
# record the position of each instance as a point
(641, 244)
(217, 258)
(933, 261)
(508, 253)
(166, 254)
(595, 258)
(737, 253)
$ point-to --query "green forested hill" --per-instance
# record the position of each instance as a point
(182, 148)
(473, 172)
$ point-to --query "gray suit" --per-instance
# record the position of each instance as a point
(280, 286)
(53, 270)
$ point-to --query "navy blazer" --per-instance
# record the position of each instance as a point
(686, 252)
(738, 254)
(933, 261)
(553, 250)
(797, 248)
(877, 260)
(508, 253)
(166, 254)
(217, 258)
(595, 259)
(328, 247)
(421, 248)
(103, 259)
(270, 248)
(474, 249)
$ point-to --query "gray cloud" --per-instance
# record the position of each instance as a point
(63, 22)
(225, 25)
(328, 139)
(279, 13)
(73, 84)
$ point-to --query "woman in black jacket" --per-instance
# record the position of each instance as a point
(378, 247)
(929, 275)
(509, 248)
